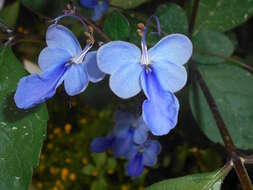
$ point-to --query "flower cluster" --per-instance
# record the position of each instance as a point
(129, 139)
(158, 72)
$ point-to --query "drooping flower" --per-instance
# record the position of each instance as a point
(159, 72)
(128, 131)
(100, 7)
(142, 155)
(63, 60)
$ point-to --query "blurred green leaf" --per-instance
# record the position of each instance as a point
(222, 15)
(10, 14)
(89, 169)
(231, 87)
(208, 43)
(204, 181)
(99, 184)
(99, 159)
(127, 4)
(21, 132)
(111, 164)
(116, 26)
(172, 18)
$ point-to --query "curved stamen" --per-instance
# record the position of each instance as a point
(73, 16)
(79, 59)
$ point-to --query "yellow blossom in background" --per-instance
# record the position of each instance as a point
(83, 120)
(141, 188)
(94, 174)
(84, 161)
(64, 173)
(39, 185)
(49, 146)
(54, 171)
(124, 187)
(110, 172)
(55, 188)
(72, 176)
(59, 184)
(68, 160)
(73, 102)
(57, 130)
(41, 167)
(68, 128)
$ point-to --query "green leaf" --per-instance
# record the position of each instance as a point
(21, 132)
(89, 169)
(99, 184)
(111, 164)
(207, 44)
(99, 159)
(222, 15)
(172, 18)
(127, 4)
(231, 87)
(116, 26)
(204, 181)
(10, 14)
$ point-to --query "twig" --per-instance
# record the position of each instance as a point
(229, 145)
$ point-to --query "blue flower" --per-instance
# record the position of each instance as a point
(62, 60)
(159, 72)
(128, 131)
(100, 7)
(142, 155)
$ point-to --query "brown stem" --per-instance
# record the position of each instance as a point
(229, 145)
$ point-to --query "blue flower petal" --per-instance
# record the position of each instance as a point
(150, 153)
(89, 3)
(160, 110)
(171, 77)
(59, 36)
(35, 89)
(49, 57)
(122, 145)
(76, 79)
(135, 167)
(141, 132)
(125, 82)
(99, 10)
(94, 73)
(174, 48)
(100, 144)
(114, 55)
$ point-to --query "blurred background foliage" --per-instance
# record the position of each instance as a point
(223, 45)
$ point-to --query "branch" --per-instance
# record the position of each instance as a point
(229, 145)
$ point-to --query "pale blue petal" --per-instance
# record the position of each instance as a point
(53, 56)
(160, 110)
(174, 48)
(75, 79)
(59, 36)
(35, 89)
(94, 73)
(135, 166)
(116, 54)
(171, 77)
(125, 82)
(141, 132)
(152, 149)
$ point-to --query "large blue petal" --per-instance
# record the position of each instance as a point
(35, 89)
(49, 57)
(76, 79)
(100, 144)
(153, 148)
(59, 36)
(94, 73)
(99, 10)
(174, 48)
(125, 82)
(114, 55)
(171, 77)
(89, 3)
(160, 110)
(135, 167)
